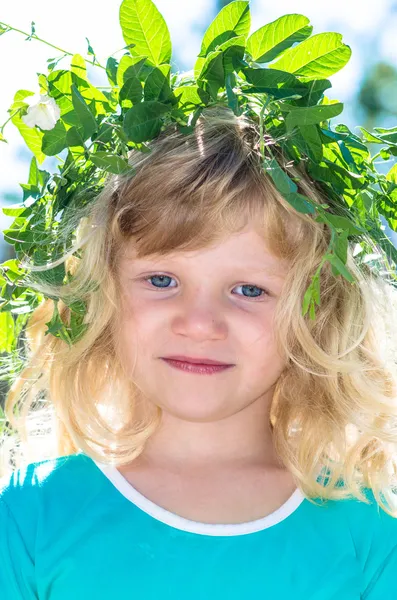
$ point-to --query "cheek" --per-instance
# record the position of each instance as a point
(257, 331)
(127, 327)
(260, 345)
(140, 329)
(133, 315)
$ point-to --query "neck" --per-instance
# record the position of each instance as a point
(242, 438)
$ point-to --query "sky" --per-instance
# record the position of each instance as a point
(368, 27)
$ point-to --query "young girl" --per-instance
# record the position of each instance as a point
(211, 442)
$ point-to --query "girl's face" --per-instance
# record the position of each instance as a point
(215, 303)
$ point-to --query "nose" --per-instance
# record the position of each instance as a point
(199, 321)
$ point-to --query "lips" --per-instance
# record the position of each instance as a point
(197, 360)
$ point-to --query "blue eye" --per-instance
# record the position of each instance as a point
(164, 279)
(253, 287)
(161, 277)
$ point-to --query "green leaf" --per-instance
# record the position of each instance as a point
(317, 57)
(143, 25)
(2, 138)
(383, 130)
(370, 137)
(232, 21)
(29, 191)
(71, 118)
(32, 32)
(6, 332)
(143, 121)
(198, 66)
(347, 155)
(281, 180)
(54, 140)
(231, 96)
(56, 326)
(60, 83)
(385, 153)
(212, 76)
(268, 42)
(340, 268)
(74, 137)
(341, 244)
(130, 66)
(287, 187)
(233, 53)
(214, 69)
(300, 203)
(31, 135)
(315, 91)
(90, 49)
(25, 238)
(345, 224)
(61, 80)
(14, 272)
(54, 276)
(104, 133)
(78, 66)
(392, 174)
(270, 80)
(131, 90)
(110, 162)
(312, 145)
(86, 117)
(337, 176)
(387, 207)
(17, 211)
(111, 70)
(21, 308)
(77, 306)
(191, 96)
(390, 138)
(157, 85)
(310, 115)
(33, 172)
(389, 135)
(312, 293)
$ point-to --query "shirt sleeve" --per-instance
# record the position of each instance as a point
(380, 568)
(17, 569)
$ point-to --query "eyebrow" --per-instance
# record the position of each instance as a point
(272, 272)
(268, 274)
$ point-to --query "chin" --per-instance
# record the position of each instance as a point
(197, 412)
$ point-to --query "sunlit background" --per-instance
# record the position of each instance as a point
(367, 85)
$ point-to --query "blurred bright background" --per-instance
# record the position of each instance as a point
(367, 85)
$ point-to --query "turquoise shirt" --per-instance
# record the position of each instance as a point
(74, 529)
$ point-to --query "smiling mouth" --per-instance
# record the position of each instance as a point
(203, 369)
(196, 361)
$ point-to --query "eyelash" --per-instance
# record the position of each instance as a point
(266, 293)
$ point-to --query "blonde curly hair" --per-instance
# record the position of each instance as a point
(335, 403)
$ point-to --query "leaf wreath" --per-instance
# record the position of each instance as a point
(277, 75)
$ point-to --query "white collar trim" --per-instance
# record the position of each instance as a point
(214, 529)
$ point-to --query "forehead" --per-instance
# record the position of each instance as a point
(245, 250)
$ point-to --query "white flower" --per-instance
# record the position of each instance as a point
(43, 111)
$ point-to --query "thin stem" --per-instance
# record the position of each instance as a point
(36, 37)
(72, 164)
(262, 141)
(9, 119)
(124, 48)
